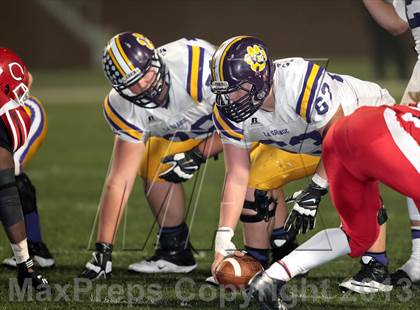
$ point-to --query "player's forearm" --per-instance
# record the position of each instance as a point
(211, 146)
(114, 198)
(320, 171)
(386, 16)
(232, 202)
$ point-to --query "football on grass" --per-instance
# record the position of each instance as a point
(236, 270)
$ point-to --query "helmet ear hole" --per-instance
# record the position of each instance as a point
(6, 89)
(261, 95)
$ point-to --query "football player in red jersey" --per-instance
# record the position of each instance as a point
(38, 250)
(14, 129)
(396, 17)
(374, 144)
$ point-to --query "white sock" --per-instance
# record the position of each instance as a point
(320, 249)
(413, 212)
(415, 250)
(412, 266)
(20, 250)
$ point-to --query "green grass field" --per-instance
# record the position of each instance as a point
(69, 171)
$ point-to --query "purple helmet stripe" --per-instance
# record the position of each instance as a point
(128, 41)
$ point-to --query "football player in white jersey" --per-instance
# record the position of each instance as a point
(287, 104)
(159, 106)
(397, 17)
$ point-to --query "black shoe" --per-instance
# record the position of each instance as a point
(282, 246)
(101, 263)
(373, 277)
(26, 276)
(41, 255)
(268, 292)
(173, 254)
(408, 273)
(401, 278)
(38, 252)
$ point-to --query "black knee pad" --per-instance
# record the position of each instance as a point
(261, 206)
(382, 216)
(10, 205)
(27, 193)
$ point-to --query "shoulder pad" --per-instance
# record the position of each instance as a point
(120, 115)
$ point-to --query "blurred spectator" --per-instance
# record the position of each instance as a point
(385, 51)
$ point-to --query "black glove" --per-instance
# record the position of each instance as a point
(183, 165)
(302, 217)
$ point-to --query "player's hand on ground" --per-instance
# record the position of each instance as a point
(182, 166)
(302, 218)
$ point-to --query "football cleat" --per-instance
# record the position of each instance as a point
(407, 273)
(373, 277)
(268, 292)
(401, 278)
(212, 281)
(26, 276)
(166, 262)
(101, 263)
(173, 254)
(40, 254)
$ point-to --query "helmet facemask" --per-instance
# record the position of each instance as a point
(152, 97)
(240, 109)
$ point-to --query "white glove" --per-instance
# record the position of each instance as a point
(223, 242)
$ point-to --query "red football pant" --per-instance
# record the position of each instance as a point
(358, 151)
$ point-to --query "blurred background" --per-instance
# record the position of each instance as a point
(58, 35)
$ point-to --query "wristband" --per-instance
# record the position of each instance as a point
(320, 181)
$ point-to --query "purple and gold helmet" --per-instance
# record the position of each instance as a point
(241, 63)
(126, 59)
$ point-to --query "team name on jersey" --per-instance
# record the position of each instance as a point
(276, 132)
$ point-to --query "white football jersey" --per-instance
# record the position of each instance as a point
(409, 10)
(188, 112)
(306, 98)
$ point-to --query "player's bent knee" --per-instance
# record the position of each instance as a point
(6, 159)
(10, 206)
(27, 193)
(260, 208)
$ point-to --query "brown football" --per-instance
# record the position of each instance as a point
(236, 270)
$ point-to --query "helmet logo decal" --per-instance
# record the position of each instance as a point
(13, 73)
(256, 58)
(144, 41)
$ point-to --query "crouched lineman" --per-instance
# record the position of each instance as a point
(14, 129)
(38, 250)
(159, 106)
